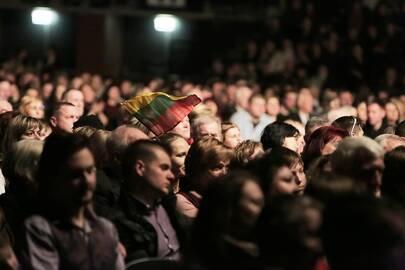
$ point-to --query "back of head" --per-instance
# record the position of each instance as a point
(361, 232)
(352, 152)
(315, 123)
(121, 137)
(21, 163)
(220, 215)
(288, 233)
(274, 134)
(389, 141)
(349, 123)
(393, 181)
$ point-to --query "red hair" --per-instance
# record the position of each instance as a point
(318, 139)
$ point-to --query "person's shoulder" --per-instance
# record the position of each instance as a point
(37, 224)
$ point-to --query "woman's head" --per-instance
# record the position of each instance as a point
(23, 127)
(322, 141)
(179, 149)
(207, 159)
(280, 134)
(395, 111)
(230, 208)
(32, 106)
(281, 171)
(230, 135)
(247, 151)
(21, 163)
(351, 124)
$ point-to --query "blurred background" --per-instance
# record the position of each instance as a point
(338, 44)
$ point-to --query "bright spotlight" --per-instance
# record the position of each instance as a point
(165, 23)
(43, 16)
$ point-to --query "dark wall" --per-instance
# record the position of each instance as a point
(17, 32)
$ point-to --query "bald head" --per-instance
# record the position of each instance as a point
(123, 136)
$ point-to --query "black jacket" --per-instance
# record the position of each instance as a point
(136, 233)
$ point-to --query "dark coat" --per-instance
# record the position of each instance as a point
(136, 233)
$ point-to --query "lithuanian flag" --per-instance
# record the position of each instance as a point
(159, 111)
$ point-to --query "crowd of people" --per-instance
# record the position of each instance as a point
(279, 174)
(281, 183)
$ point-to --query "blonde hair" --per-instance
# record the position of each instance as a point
(21, 162)
(17, 127)
(26, 101)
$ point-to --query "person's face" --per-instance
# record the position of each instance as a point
(273, 106)
(362, 112)
(114, 93)
(232, 137)
(89, 96)
(372, 173)
(76, 98)
(5, 90)
(346, 99)
(183, 128)
(32, 134)
(330, 146)
(290, 100)
(210, 129)
(305, 102)
(47, 90)
(375, 114)
(180, 149)
(284, 182)
(257, 107)
(66, 117)
(251, 203)
(300, 177)
(291, 143)
(36, 110)
(80, 178)
(158, 174)
(392, 112)
(218, 169)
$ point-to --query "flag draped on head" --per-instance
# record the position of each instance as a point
(159, 111)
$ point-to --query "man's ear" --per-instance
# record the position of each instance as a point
(139, 167)
(53, 121)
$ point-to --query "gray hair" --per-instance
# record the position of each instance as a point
(389, 141)
(351, 151)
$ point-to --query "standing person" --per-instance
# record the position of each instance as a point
(231, 135)
(67, 234)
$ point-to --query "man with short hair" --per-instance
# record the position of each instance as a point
(67, 234)
(206, 125)
(145, 218)
(109, 178)
(305, 107)
(75, 97)
(63, 117)
(376, 123)
(251, 122)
